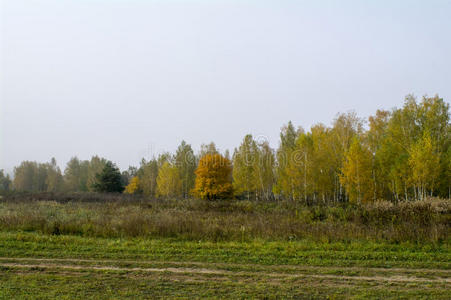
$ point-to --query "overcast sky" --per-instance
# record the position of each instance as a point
(128, 79)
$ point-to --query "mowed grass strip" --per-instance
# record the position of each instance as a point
(360, 273)
(268, 272)
(353, 254)
(86, 282)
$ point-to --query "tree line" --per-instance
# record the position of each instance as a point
(402, 154)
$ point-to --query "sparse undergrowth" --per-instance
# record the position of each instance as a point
(124, 216)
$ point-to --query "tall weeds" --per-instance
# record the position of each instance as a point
(119, 216)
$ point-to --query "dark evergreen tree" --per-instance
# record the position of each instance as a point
(109, 180)
(5, 182)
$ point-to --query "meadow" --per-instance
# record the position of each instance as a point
(117, 246)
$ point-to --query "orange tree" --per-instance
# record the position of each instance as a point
(213, 177)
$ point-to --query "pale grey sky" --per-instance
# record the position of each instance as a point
(125, 79)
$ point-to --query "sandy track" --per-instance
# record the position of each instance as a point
(213, 264)
(45, 263)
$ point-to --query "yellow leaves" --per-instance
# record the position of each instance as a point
(213, 180)
(168, 181)
(133, 187)
(357, 173)
(245, 167)
(424, 163)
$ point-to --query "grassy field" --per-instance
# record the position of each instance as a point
(44, 266)
(76, 250)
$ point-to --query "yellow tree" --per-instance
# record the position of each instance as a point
(133, 187)
(424, 163)
(375, 137)
(298, 165)
(401, 132)
(213, 177)
(434, 117)
(285, 186)
(320, 165)
(356, 173)
(168, 181)
(245, 166)
(344, 128)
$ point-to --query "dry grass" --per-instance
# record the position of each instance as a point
(117, 215)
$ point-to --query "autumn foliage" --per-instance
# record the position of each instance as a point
(356, 173)
(168, 181)
(402, 154)
(213, 177)
(133, 187)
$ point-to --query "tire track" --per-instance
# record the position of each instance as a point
(208, 271)
(197, 263)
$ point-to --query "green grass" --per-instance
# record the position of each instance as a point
(111, 285)
(34, 265)
(226, 249)
(258, 251)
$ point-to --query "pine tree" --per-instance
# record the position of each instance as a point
(95, 166)
(5, 182)
(109, 180)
